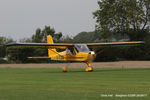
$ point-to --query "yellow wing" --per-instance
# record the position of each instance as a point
(115, 43)
(44, 45)
(64, 46)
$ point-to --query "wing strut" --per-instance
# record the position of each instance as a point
(101, 51)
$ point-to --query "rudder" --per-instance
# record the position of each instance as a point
(50, 50)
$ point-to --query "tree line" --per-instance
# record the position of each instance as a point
(116, 20)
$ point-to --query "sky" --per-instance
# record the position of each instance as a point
(20, 18)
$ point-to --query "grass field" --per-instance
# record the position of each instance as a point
(52, 84)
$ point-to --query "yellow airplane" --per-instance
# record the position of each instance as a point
(73, 52)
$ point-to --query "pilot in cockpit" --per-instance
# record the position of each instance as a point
(68, 51)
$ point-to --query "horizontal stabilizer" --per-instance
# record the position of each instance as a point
(38, 57)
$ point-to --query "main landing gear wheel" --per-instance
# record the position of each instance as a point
(89, 69)
(64, 69)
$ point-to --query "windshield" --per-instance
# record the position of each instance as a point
(82, 47)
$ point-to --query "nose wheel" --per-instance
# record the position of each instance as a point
(89, 68)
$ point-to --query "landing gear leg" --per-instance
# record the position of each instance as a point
(65, 69)
(89, 68)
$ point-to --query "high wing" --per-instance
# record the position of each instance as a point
(44, 45)
(115, 43)
(65, 45)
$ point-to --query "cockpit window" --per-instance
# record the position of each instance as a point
(82, 47)
(70, 51)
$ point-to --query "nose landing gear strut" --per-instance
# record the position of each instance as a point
(89, 68)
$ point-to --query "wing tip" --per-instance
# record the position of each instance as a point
(11, 44)
(142, 42)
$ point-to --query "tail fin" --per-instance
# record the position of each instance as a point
(50, 41)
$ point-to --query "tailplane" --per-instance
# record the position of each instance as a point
(51, 51)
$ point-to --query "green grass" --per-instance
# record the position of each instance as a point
(52, 84)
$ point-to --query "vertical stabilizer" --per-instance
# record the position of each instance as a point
(51, 51)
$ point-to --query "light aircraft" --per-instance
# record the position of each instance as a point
(73, 52)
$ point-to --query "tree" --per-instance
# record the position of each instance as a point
(66, 39)
(86, 37)
(2, 47)
(57, 36)
(40, 36)
(3, 42)
(125, 17)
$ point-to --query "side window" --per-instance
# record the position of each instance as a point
(82, 48)
(71, 51)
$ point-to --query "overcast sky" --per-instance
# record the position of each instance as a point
(20, 18)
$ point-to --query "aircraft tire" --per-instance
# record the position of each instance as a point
(64, 69)
(89, 69)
